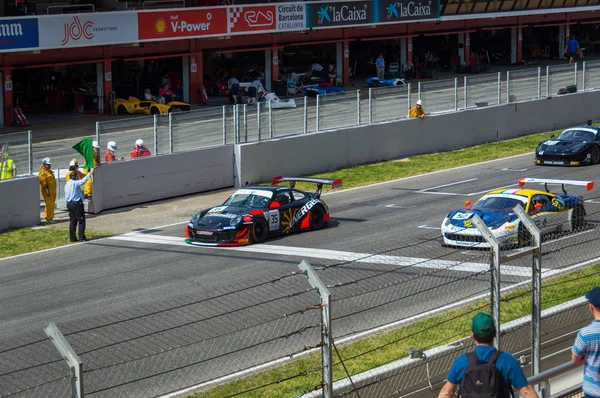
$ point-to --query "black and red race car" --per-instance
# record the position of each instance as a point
(252, 214)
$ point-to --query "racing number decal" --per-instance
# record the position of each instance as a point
(273, 216)
(558, 203)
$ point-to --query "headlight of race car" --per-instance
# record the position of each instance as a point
(447, 220)
(195, 218)
(235, 221)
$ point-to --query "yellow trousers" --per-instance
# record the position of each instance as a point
(49, 199)
(87, 187)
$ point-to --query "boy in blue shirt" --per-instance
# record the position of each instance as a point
(483, 334)
(587, 347)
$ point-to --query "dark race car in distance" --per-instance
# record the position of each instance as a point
(252, 214)
(575, 146)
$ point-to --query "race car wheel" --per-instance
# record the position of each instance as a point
(214, 91)
(260, 230)
(595, 154)
(578, 218)
(154, 111)
(523, 237)
(317, 218)
(121, 110)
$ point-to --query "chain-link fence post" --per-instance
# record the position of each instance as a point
(507, 86)
(270, 120)
(326, 333)
(155, 132)
(358, 107)
(575, 71)
(245, 124)
(98, 132)
(456, 93)
(583, 77)
(465, 90)
(170, 133)
(409, 97)
(419, 88)
(67, 352)
(499, 87)
(258, 119)
(539, 82)
(370, 105)
(305, 127)
(494, 274)
(30, 151)
(547, 81)
(317, 114)
(224, 125)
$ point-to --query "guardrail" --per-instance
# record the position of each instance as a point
(224, 125)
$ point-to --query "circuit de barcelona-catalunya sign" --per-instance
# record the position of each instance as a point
(369, 12)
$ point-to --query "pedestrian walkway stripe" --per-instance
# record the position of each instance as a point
(337, 255)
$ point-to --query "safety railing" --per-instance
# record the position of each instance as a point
(388, 103)
(223, 125)
(440, 96)
(561, 79)
(483, 90)
(16, 154)
(591, 75)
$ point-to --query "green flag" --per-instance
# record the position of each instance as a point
(84, 147)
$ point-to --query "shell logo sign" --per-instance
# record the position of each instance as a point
(206, 21)
(160, 26)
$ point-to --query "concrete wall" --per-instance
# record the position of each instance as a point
(20, 203)
(142, 180)
(319, 152)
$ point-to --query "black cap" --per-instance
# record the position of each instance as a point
(593, 296)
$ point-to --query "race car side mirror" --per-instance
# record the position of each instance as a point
(467, 204)
(274, 205)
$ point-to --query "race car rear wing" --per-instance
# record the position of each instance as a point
(589, 185)
(319, 181)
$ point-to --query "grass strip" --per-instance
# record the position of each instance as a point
(27, 240)
(393, 169)
(304, 374)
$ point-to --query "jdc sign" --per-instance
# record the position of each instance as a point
(407, 10)
(323, 14)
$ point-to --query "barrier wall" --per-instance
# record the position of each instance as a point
(142, 180)
(20, 202)
(320, 152)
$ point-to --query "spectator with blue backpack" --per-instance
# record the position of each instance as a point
(486, 372)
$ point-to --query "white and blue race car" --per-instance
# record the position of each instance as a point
(550, 212)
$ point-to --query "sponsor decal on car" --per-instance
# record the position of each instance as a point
(204, 232)
(302, 212)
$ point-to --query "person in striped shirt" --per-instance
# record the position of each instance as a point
(587, 347)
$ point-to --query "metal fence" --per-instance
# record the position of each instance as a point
(18, 148)
(313, 313)
(222, 125)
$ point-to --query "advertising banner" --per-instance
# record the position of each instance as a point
(334, 14)
(291, 16)
(18, 33)
(179, 23)
(251, 19)
(407, 10)
(78, 30)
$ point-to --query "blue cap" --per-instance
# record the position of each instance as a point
(593, 296)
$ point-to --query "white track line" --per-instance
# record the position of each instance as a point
(334, 255)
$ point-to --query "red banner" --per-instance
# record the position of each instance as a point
(178, 23)
(251, 18)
